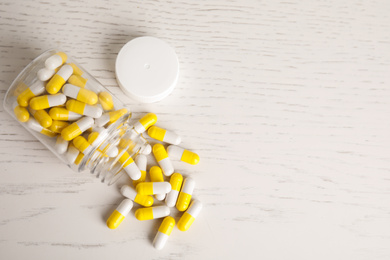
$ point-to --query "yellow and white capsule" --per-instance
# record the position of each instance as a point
(162, 159)
(55, 60)
(46, 101)
(145, 122)
(77, 128)
(20, 112)
(163, 233)
(81, 94)
(45, 74)
(141, 162)
(58, 80)
(152, 213)
(152, 188)
(42, 117)
(78, 81)
(130, 193)
(105, 99)
(110, 117)
(60, 113)
(178, 153)
(190, 215)
(119, 214)
(61, 145)
(156, 175)
(84, 109)
(71, 154)
(163, 135)
(129, 166)
(76, 70)
(82, 144)
(36, 89)
(176, 182)
(57, 126)
(185, 194)
(34, 125)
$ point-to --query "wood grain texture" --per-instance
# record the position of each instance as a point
(286, 102)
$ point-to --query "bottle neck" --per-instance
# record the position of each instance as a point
(113, 142)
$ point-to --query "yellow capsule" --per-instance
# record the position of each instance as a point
(145, 188)
(105, 100)
(119, 214)
(21, 113)
(125, 159)
(162, 159)
(76, 70)
(83, 108)
(163, 135)
(130, 193)
(77, 128)
(156, 174)
(57, 126)
(145, 122)
(79, 158)
(185, 194)
(46, 101)
(77, 81)
(58, 80)
(55, 60)
(59, 113)
(81, 94)
(37, 89)
(82, 144)
(42, 117)
(164, 231)
(189, 216)
(152, 212)
(176, 182)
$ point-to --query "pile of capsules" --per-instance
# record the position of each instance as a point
(176, 192)
(78, 110)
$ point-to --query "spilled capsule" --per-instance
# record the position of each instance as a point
(145, 122)
(163, 135)
(163, 233)
(130, 193)
(105, 99)
(141, 162)
(119, 214)
(152, 188)
(162, 159)
(189, 216)
(176, 181)
(129, 166)
(185, 194)
(178, 153)
(152, 213)
(156, 175)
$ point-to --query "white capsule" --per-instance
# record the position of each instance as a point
(161, 187)
(128, 192)
(141, 162)
(188, 186)
(195, 208)
(147, 149)
(61, 145)
(133, 171)
(55, 60)
(71, 154)
(167, 166)
(34, 125)
(112, 151)
(45, 74)
(56, 100)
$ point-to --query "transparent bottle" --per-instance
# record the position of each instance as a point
(114, 143)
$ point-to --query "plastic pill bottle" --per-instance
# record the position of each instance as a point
(114, 143)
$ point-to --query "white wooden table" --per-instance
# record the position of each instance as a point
(287, 103)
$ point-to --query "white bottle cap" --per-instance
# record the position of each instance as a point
(147, 69)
